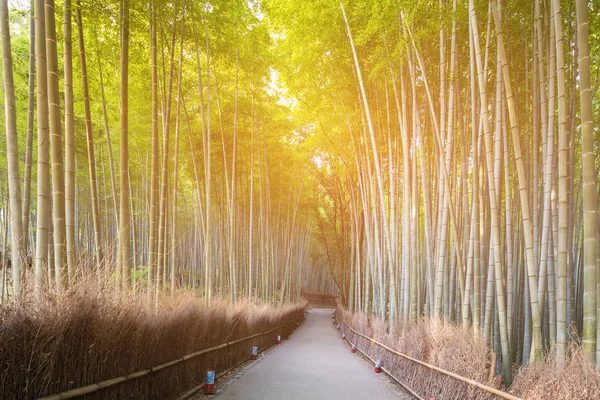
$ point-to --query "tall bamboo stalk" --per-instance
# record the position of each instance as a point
(12, 152)
(43, 159)
(124, 260)
(69, 142)
(90, 142)
(56, 148)
(588, 171)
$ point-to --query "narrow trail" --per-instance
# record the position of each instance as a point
(313, 364)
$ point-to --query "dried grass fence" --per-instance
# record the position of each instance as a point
(455, 349)
(416, 355)
(82, 337)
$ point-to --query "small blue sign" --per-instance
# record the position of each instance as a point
(210, 377)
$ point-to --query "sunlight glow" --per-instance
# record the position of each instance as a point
(275, 89)
(254, 6)
(318, 161)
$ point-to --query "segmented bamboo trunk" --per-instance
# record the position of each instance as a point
(56, 148)
(29, 146)
(90, 144)
(250, 217)
(154, 195)
(588, 170)
(12, 151)
(43, 159)
(176, 161)
(232, 233)
(113, 179)
(124, 260)
(563, 323)
(69, 142)
(208, 239)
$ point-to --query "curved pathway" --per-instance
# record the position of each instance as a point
(314, 363)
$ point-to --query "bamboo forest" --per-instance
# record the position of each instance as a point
(203, 172)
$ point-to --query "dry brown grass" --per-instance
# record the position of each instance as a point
(444, 345)
(455, 349)
(577, 379)
(85, 335)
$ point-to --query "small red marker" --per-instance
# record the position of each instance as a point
(377, 368)
(209, 388)
(278, 339)
(254, 353)
(353, 349)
